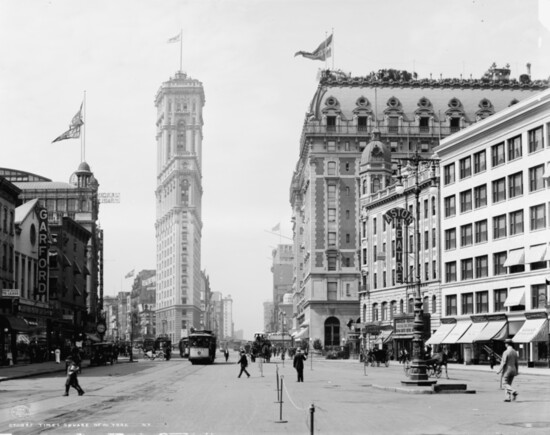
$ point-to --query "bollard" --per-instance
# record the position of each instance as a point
(281, 404)
(277, 377)
(311, 419)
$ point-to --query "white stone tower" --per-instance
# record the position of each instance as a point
(178, 225)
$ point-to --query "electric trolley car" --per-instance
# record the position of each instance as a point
(202, 347)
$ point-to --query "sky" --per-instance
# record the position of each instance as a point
(257, 94)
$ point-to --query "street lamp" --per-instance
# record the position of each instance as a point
(418, 372)
(282, 314)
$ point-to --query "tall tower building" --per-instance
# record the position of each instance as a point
(227, 317)
(178, 225)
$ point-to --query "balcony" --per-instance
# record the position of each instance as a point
(346, 128)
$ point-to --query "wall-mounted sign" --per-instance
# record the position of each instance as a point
(398, 215)
(42, 251)
(10, 292)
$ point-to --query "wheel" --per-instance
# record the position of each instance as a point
(438, 372)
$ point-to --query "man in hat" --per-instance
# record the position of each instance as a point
(299, 359)
(509, 369)
(72, 377)
(243, 361)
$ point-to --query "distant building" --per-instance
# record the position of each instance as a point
(269, 320)
(216, 321)
(143, 304)
(281, 268)
(179, 103)
(227, 317)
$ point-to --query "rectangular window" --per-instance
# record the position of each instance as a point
(539, 296)
(331, 193)
(499, 299)
(497, 154)
(536, 182)
(480, 162)
(331, 260)
(450, 206)
(514, 148)
(450, 271)
(332, 291)
(465, 201)
(499, 190)
(331, 123)
(537, 216)
(466, 235)
(516, 222)
(424, 124)
(426, 240)
(482, 266)
(393, 124)
(426, 271)
(481, 231)
(332, 215)
(425, 209)
(465, 167)
(374, 226)
(364, 256)
(535, 140)
(499, 227)
(482, 302)
(480, 196)
(450, 305)
(433, 205)
(332, 239)
(434, 269)
(433, 238)
(467, 303)
(450, 239)
(374, 281)
(515, 185)
(362, 123)
(466, 269)
(498, 263)
(449, 173)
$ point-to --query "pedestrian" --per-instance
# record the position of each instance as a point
(298, 364)
(261, 365)
(72, 377)
(492, 360)
(57, 355)
(509, 370)
(226, 354)
(243, 361)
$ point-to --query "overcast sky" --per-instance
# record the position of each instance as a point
(256, 91)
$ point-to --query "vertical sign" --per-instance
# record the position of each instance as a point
(398, 215)
(42, 252)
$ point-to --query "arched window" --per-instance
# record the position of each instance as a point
(364, 187)
(364, 312)
(410, 306)
(375, 184)
(401, 306)
(426, 304)
(375, 312)
(434, 299)
(393, 307)
(332, 332)
(384, 311)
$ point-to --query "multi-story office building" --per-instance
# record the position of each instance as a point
(78, 200)
(389, 262)
(269, 322)
(179, 103)
(227, 306)
(412, 115)
(143, 304)
(495, 232)
(281, 268)
(216, 321)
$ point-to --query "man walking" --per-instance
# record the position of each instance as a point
(299, 359)
(72, 377)
(243, 361)
(509, 369)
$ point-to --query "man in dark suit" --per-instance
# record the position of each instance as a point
(299, 359)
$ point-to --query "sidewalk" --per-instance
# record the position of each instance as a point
(26, 370)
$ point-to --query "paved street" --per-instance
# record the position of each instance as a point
(176, 397)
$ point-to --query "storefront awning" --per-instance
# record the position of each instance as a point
(456, 333)
(93, 337)
(536, 254)
(441, 333)
(516, 296)
(532, 330)
(384, 337)
(496, 330)
(15, 324)
(515, 257)
(302, 334)
(473, 332)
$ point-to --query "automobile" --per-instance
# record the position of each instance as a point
(103, 353)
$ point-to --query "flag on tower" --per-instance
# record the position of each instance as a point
(322, 52)
(129, 274)
(74, 128)
(174, 39)
(276, 228)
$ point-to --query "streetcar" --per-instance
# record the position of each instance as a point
(184, 347)
(202, 347)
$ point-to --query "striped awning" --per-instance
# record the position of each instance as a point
(536, 253)
(516, 296)
(473, 332)
(515, 257)
(532, 330)
(496, 330)
(441, 333)
(456, 333)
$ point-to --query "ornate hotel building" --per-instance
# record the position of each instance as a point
(179, 103)
(411, 114)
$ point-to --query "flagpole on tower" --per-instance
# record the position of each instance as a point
(181, 49)
(83, 137)
(333, 48)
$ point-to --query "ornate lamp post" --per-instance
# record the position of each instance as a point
(418, 374)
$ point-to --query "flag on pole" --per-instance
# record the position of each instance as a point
(74, 128)
(129, 274)
(276, 227)
(321, 53)
(174, 39)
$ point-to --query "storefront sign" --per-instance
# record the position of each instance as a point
(42, 251)
(10, 292)
(398, 215)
